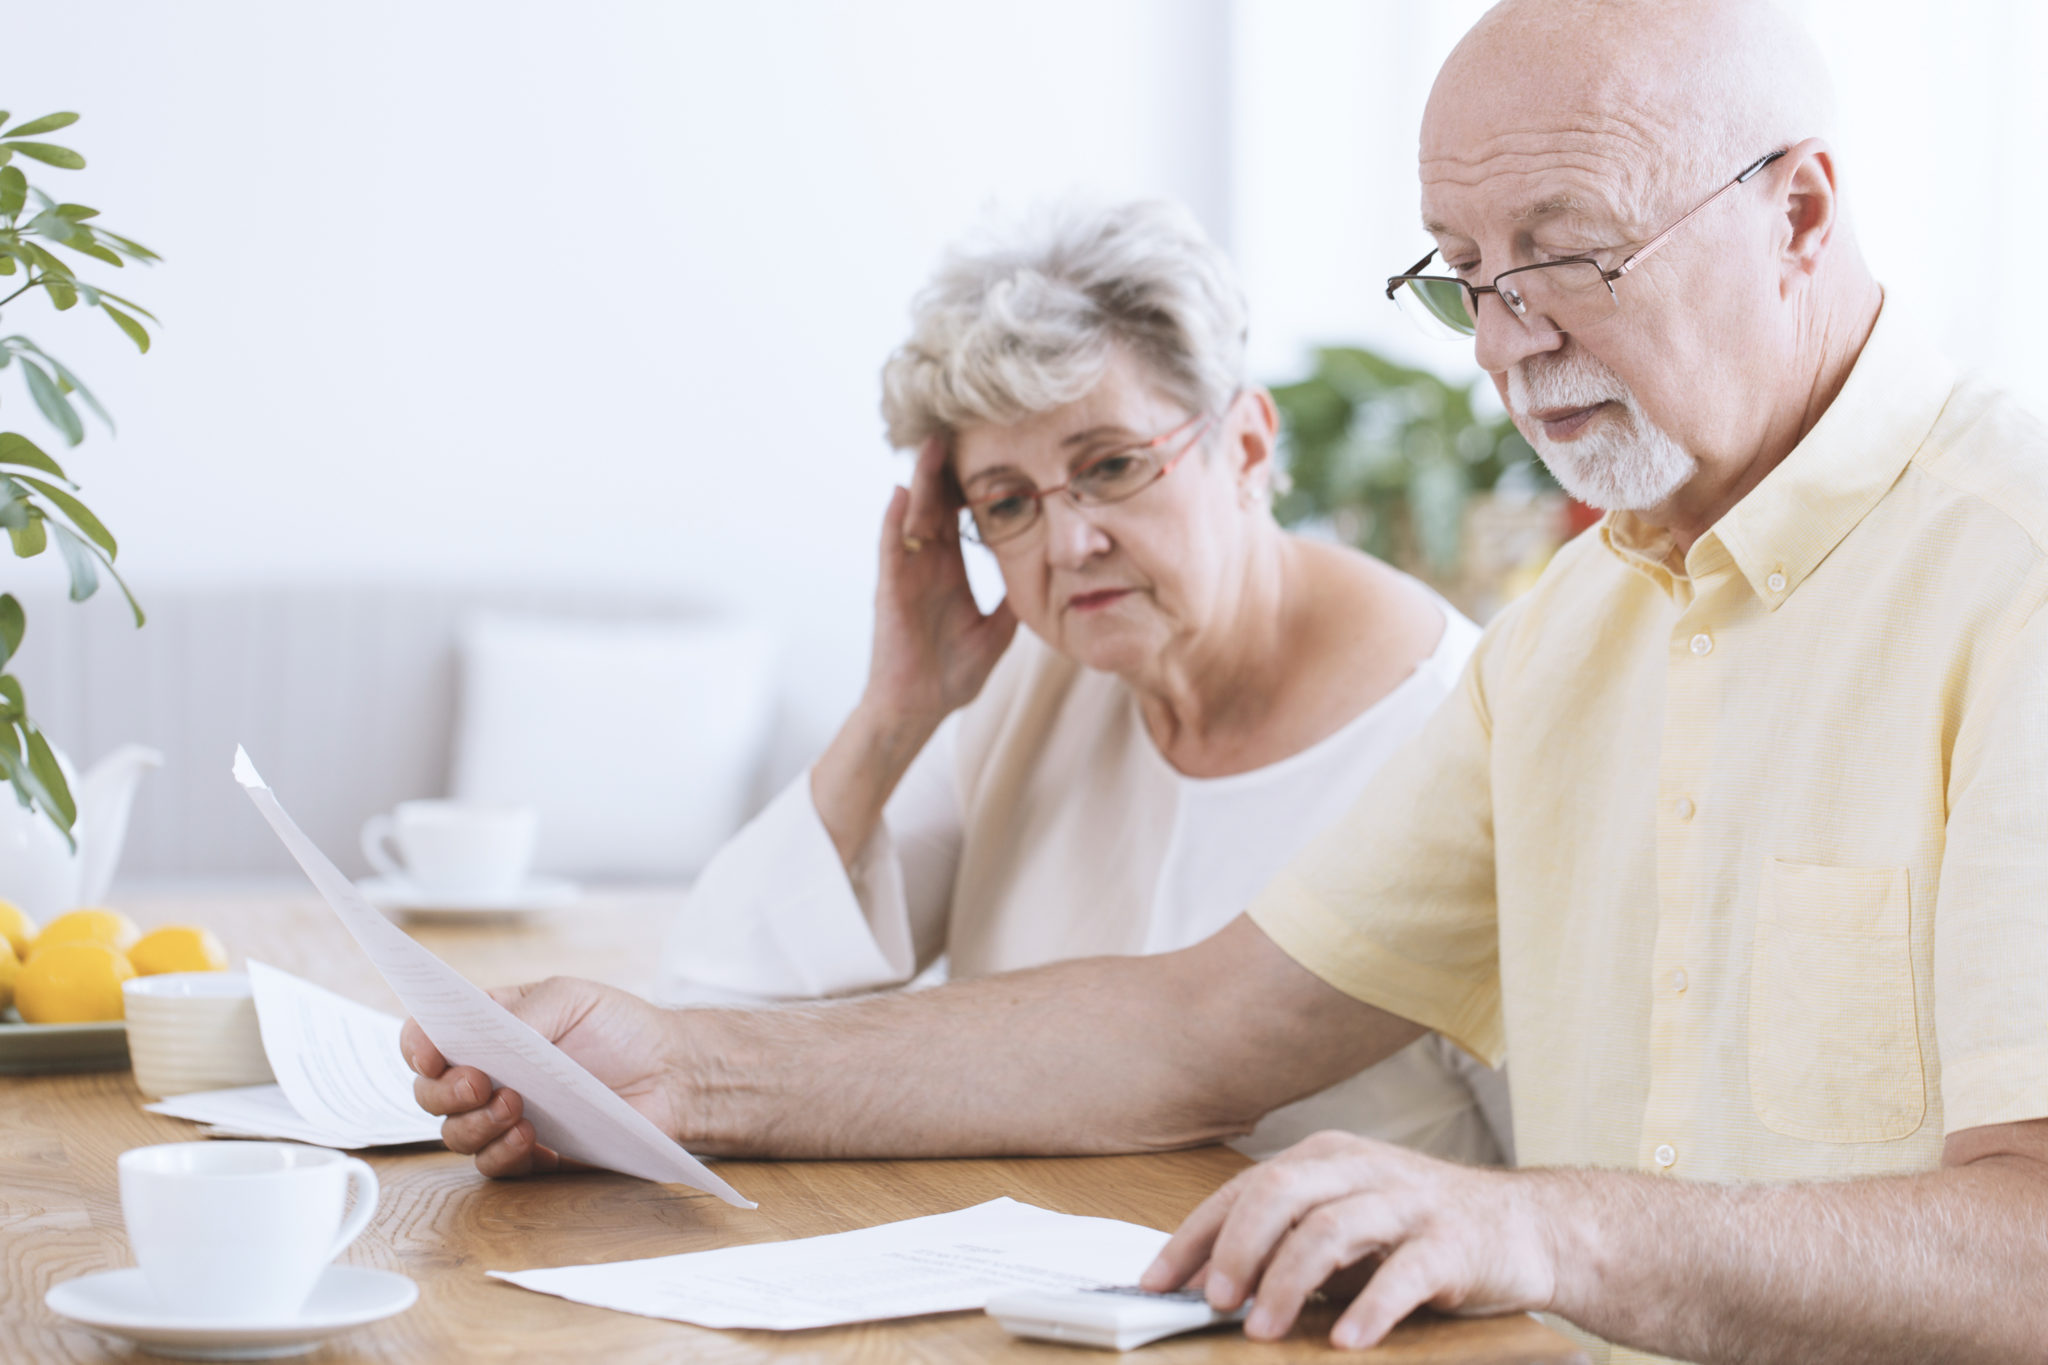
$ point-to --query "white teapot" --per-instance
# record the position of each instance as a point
(44, 875)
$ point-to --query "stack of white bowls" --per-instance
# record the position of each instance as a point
(193, 1031)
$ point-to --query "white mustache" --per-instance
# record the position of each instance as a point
(1571, 385)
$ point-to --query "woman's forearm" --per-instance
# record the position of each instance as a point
(1088, 1056)
(852, 782)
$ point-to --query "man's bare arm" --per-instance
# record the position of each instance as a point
(1119, 1054)
(1937, 1267)
(1946, 1266)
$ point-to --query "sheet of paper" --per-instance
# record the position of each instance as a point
(257, 1111)
(571, 1110)
(950, 1262)
(340, 1079)
(338, 1062)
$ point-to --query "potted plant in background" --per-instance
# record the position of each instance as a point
(1399, 462)
(44, 242)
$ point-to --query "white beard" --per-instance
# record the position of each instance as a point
(1626, 463)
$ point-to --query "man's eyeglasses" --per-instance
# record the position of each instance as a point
(1571, 295)
(1002, 508)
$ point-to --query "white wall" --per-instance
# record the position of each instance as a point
(584, 294)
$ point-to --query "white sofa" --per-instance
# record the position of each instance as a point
(346, 696)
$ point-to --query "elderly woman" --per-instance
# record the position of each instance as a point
(1194, 694)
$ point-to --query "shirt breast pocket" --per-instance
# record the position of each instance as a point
(1834, 1040)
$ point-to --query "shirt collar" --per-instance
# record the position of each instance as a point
(1798, 514)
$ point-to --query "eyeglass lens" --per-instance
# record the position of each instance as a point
(1561, 296)
(1005, 510)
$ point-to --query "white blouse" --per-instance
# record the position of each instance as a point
(1114, 851)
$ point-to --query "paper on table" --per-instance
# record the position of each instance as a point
(570, 1109)
(947, 1263)
(340, 1079)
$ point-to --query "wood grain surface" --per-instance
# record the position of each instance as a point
(443, 1225)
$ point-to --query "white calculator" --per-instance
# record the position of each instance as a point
(1116, 1317)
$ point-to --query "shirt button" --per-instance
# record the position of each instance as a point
(1684, 809)
(1703, 644)
(1665, 1155)
(1776, 582)
(1678, 981)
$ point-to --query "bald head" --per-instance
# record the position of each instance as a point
(1574, 133)
(1660, 95)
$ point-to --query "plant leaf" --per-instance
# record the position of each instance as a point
(50, 224)
(46, 261)
(30, 539)
(85, 574)
(122, 584)
(49, 153)
(82, 242)
(13, 191)
(13, 624)
(43, 389)
(44, 764)
(80, 515)
(18, 449)
(76, 213)
(48, 123)
(132, 306)
(61, 294)
(30, 788)
(71, 383)
(129, 246)
(129, 325)
(12, 705)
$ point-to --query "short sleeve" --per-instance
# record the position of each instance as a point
(1991, 922)
(1394, 904)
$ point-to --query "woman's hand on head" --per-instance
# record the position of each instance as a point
(933, 646)
(621, 1039)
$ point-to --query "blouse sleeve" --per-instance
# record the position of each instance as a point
(776, 916)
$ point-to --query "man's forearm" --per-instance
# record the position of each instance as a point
(1946, 1266)
(1095, 1055)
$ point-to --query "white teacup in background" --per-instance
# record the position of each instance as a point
(193, 1031)
(454, 848)
(240, 1231)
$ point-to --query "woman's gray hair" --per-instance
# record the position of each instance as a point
(1025, 320)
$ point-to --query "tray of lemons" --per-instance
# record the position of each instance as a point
(60, 985)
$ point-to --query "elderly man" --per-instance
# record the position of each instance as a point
(1736, 839)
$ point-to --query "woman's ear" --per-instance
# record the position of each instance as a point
(1252, 423)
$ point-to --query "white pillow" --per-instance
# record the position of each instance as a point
(638, 742)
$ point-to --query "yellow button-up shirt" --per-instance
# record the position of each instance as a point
(1743, 855)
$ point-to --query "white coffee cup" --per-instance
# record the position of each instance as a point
(240, 1231)
(193, 1031)
(454, 848)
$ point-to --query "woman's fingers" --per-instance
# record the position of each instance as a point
(928, 520)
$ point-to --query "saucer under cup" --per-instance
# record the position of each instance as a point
(229, 1232)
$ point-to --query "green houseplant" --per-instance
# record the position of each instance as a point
(1389, 457)
(39, 505)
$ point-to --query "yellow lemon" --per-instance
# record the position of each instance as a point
(10, 967)
(16, 927)
(71, 983)
(178, 948)
(109, 927)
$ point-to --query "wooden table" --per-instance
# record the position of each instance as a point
(444, 1225)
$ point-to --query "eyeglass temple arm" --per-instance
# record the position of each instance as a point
(1741, 178)
(1394, 284)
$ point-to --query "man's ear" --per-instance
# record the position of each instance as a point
(1812, 208)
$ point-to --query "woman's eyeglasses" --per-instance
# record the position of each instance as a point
(1004, 507)
(1569, 295)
